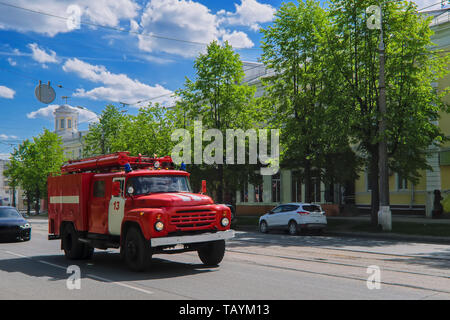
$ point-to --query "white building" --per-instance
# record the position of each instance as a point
(66, 125)
(5, 192)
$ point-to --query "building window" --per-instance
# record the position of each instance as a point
(276, 186)
(296, 187)
(402, 183)
(61, 125)
(259, 192)
(69, 123)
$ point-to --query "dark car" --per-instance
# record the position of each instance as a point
(13, 225)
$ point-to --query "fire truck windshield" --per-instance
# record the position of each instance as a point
(156, 184)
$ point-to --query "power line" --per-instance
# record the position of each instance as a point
(117, 29)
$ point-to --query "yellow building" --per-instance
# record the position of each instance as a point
(418, 198)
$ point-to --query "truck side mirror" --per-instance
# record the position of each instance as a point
(204, 186)
(115, 189)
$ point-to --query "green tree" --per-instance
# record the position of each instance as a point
(411, 69)
(300, 89)
(102, 136)
(32, 162)
(218, 98)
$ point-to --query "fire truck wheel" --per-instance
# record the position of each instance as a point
(137, 250)
(212, 254)
(72, 248)
(88, 252)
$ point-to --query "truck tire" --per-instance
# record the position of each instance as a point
(73, 249)
(88, 252)
(137, 251)
(212, 253)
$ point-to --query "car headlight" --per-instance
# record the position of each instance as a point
(159, 226)
(225, 222)
(25, 226)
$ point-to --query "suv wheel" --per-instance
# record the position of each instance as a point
(292, 228)
(263, 228)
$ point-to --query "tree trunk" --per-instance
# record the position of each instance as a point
(28, 203)
(38, 200)
(375, 195)
(307, 177)
(14, 197)
(220, 189)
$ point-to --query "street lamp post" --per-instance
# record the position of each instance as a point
(384, 213)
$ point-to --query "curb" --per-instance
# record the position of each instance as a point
(368, 235)
(392, 236)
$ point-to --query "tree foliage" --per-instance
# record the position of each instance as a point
(32, 162)
(219, 98)
(301, 88)
(411, 69)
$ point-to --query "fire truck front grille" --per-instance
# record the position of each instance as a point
(192, 218)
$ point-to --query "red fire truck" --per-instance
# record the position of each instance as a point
(141, 205)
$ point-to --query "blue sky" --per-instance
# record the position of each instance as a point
(98, 66)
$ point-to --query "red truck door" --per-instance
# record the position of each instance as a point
(116, 209)
(98, 217)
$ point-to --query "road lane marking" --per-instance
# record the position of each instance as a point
(51, 264)
(88, 275)
(119, 284)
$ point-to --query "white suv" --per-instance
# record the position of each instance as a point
(294, 217)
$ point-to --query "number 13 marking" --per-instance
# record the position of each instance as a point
(116, 205)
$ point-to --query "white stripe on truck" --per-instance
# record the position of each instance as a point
(65, 199)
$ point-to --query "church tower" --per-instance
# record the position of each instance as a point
(66, 120)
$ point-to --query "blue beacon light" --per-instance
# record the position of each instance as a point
(127, 168)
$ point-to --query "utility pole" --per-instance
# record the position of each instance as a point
(384, 212)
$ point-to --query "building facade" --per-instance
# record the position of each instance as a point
(66, 125)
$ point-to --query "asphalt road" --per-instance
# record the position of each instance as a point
(256, 266)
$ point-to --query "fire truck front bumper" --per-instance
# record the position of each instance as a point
(205, 237)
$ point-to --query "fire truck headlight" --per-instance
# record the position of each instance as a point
(224, 222)
(159, 226)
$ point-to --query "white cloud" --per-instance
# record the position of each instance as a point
(12, 62)
(85, 115)
(103, 12)
(41, 56)
(249, 13)
(116, 87)
(238, 39)
(6, 92)
(185, 20)
(7, 137)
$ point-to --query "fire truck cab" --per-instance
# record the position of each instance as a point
(138, 204)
